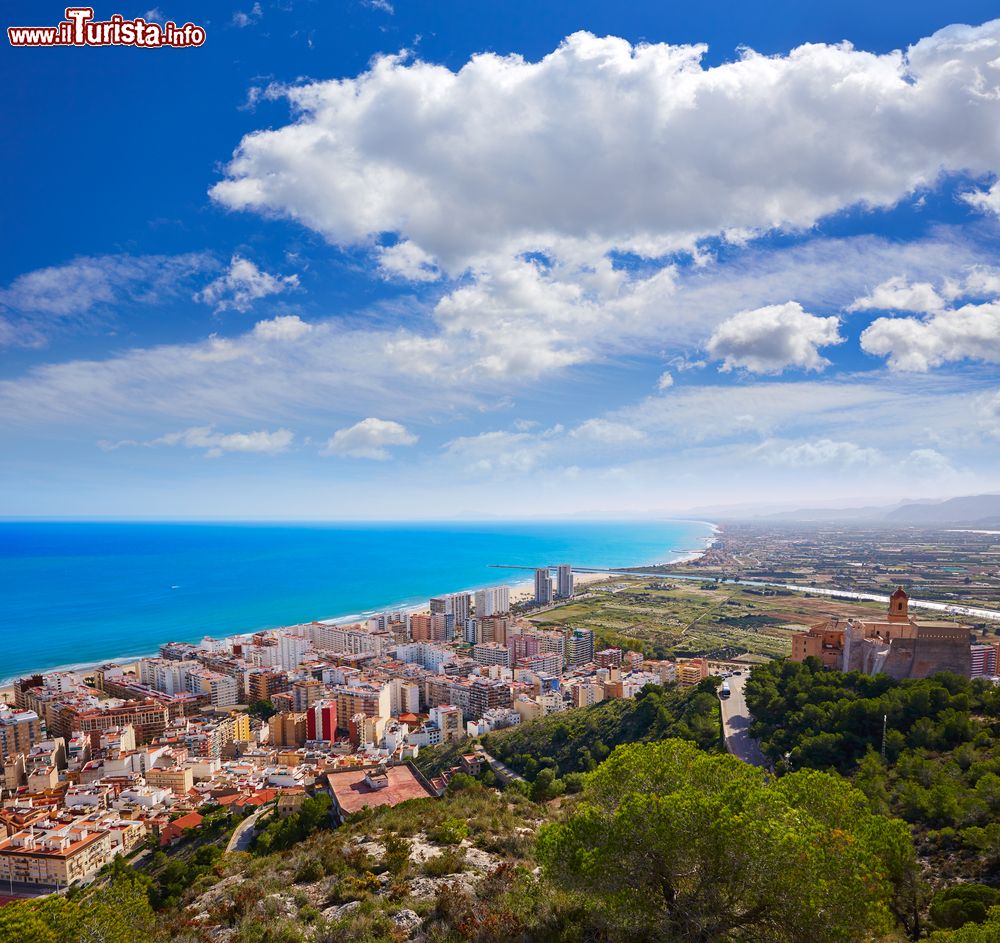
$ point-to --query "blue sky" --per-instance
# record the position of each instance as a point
(374, 259)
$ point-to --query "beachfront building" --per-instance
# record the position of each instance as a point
(543, 586)
(564, 581)
(456, 609)
(494, 601)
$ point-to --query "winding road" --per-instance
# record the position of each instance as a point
(245, 831)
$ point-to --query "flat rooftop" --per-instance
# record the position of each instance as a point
(353, 793)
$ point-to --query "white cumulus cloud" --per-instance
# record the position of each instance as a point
(773, 338)
(897, 294)
(988, 201)
(287, 327)
(370, 438)
(408, 261)
(484, 159)
(499, 453)
(242, 284)
(971, 332)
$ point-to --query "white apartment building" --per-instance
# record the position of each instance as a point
(165, 675)
(543, 586)
(425, 654)
(223, 691)
(492, 653)
(494, 601)
(292, 650)
(404, 696)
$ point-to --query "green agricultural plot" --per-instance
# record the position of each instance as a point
(663, 620)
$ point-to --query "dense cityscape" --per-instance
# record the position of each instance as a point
(96, 761)
(107, 761)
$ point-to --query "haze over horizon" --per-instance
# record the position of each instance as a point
(422, 261)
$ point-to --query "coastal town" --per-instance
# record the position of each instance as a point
(101, 762)
(127, 757)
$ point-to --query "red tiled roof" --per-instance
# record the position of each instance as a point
(191, 820)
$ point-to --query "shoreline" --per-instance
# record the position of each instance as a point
(520, 590)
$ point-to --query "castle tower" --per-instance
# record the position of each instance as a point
(899, 606)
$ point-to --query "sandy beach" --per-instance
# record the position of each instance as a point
(521, 591)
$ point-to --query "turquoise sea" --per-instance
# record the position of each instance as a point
(77, 593)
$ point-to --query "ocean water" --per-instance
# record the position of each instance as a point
(77, 593)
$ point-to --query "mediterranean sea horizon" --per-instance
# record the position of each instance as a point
(78, 593)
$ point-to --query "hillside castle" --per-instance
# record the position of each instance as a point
(898, 646)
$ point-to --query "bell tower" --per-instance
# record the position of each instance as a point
(899, 606)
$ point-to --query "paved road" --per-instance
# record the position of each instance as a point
(245, 831)
(736, 725)
(16, 890)
(504, 773)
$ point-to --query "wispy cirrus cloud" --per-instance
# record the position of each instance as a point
(244, 18)
(213, 443)
(75, 294)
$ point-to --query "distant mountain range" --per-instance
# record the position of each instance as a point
(980, 510)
